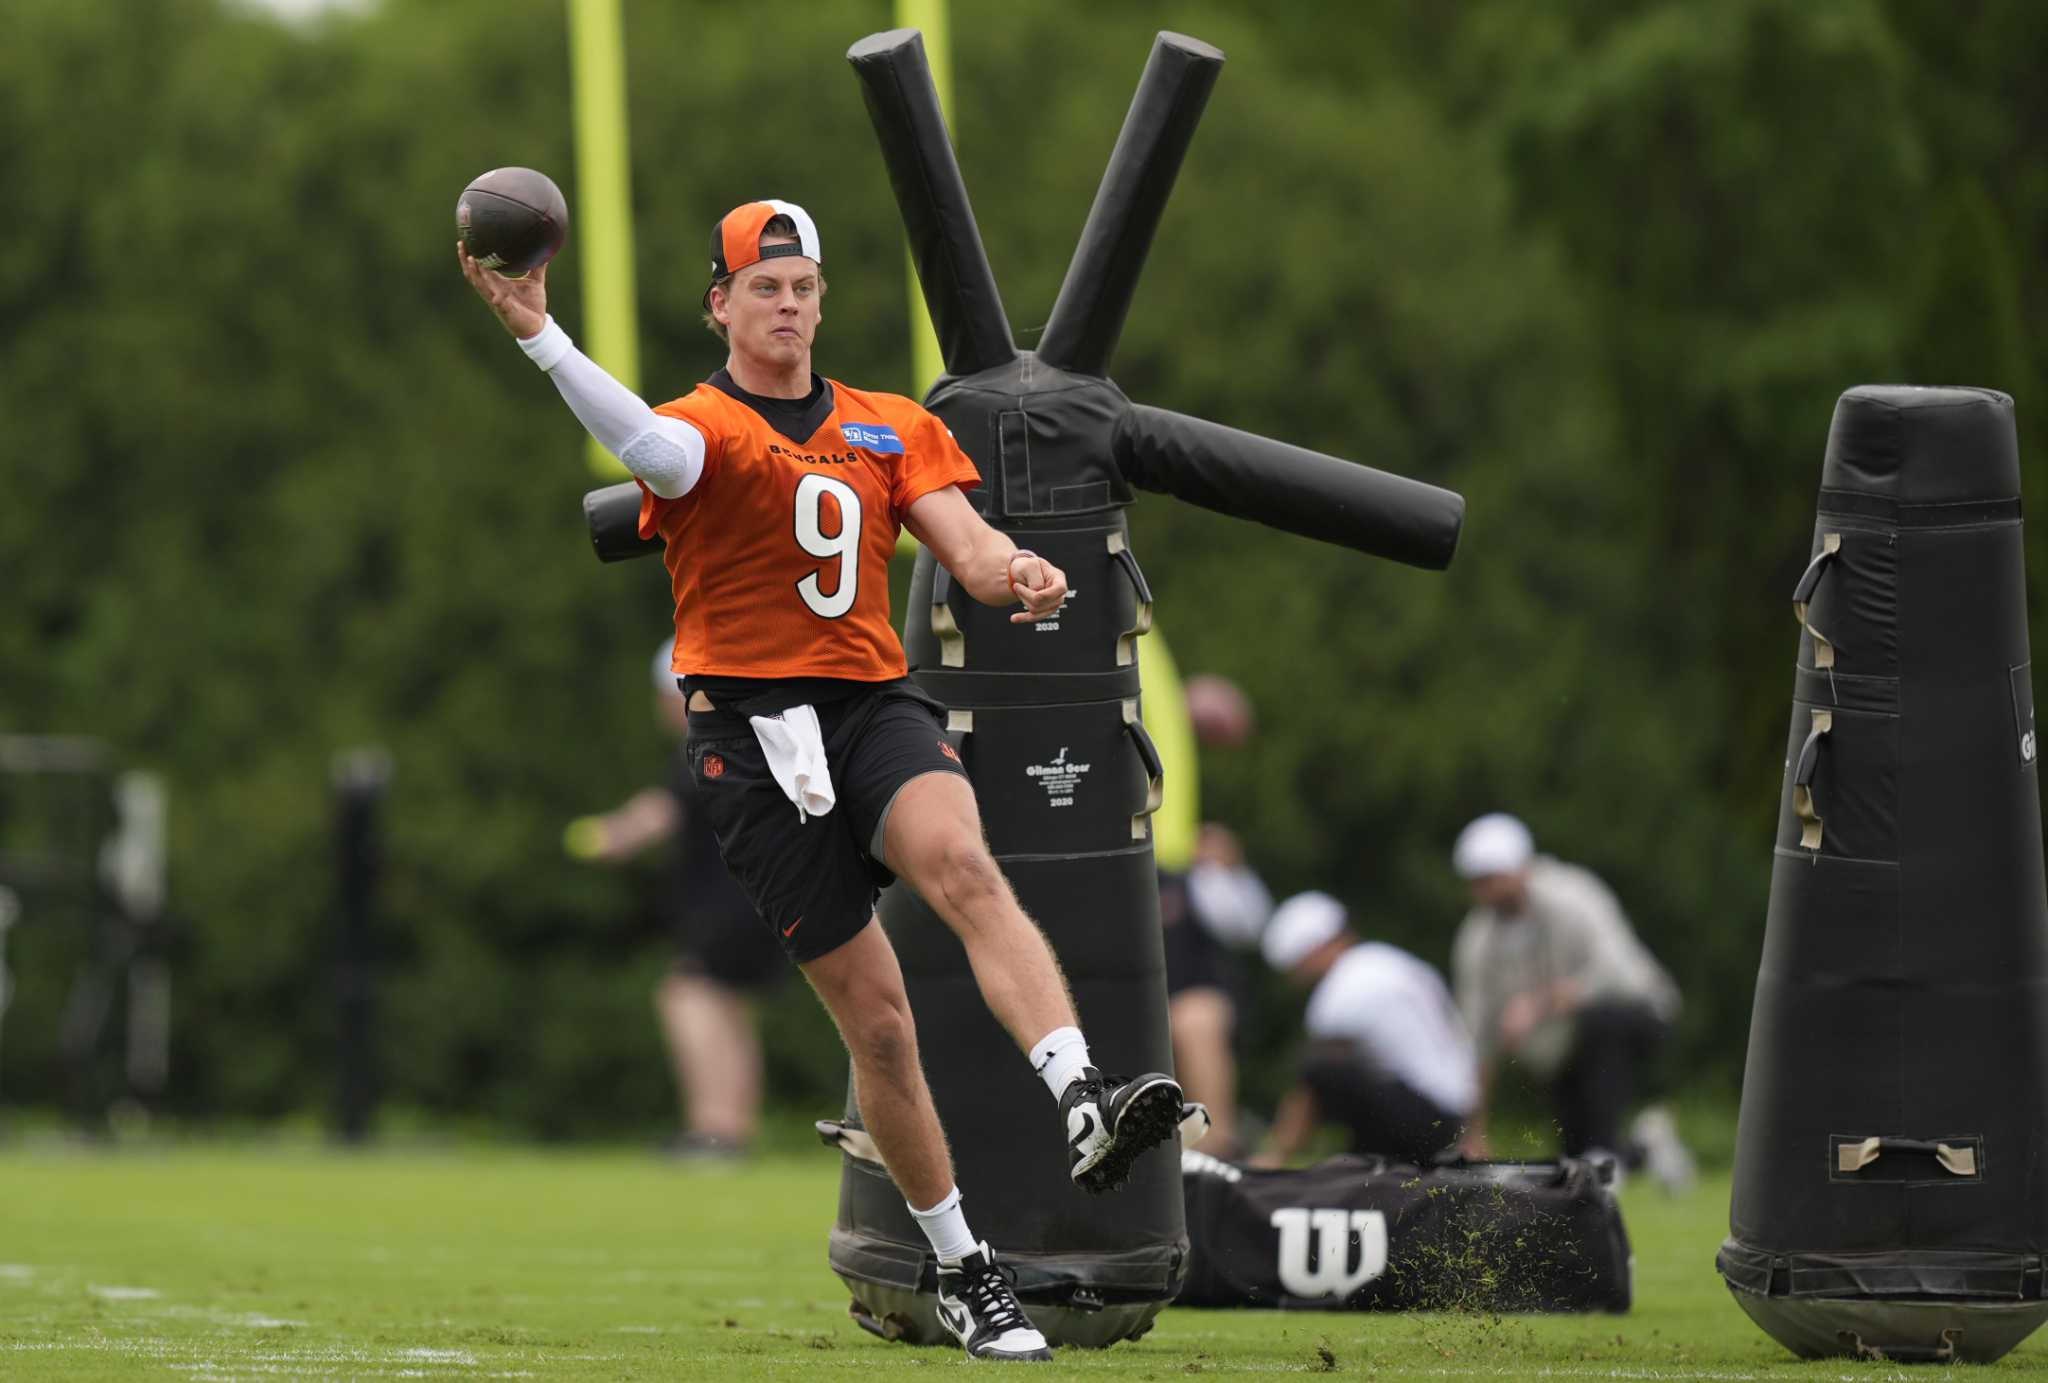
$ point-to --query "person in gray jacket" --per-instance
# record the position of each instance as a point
(1549, 974)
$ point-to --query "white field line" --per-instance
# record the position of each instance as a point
(1644, 1372)
(202, 1360)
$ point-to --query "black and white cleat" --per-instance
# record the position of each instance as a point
(1112, 1122)
(979, 1309)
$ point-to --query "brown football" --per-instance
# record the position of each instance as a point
(512, 220)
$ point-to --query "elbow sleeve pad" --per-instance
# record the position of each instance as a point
(668, 456)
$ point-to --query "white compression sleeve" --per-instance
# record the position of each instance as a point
(667, 453)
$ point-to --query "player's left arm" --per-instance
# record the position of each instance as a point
(994, 570)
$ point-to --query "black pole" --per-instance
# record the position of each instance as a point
(1088, 316)
(1289, 488)
(613, 517)
(959, 287)
(361, 777)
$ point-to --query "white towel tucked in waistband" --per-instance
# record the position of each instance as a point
(796, 756)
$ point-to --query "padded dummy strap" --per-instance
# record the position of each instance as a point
(1802, 596)
(952, 642)
(1957, 1159)
(1127, 642)
(1802, 779)
(856, 1143)
(1155, 770)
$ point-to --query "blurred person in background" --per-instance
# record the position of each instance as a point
(1210, 899)
(1388, 1057)
(1550, 975)
(723, 954)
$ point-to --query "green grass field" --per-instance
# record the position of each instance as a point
(295, 1262)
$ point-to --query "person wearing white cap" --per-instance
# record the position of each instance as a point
(1550, 975)
(1388, 1056)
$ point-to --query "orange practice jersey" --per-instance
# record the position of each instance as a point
(779, 555)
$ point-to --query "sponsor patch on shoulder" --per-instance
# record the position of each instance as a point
(872, 437)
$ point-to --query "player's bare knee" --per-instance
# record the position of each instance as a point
(884, 1038)
(968, 876)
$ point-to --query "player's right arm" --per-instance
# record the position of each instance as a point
(667, 454)
(983, 560)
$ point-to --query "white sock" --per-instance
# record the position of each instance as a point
(1059, 1058)
(946, 1226)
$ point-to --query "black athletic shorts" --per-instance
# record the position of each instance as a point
(814, 881)
(1382, 1113)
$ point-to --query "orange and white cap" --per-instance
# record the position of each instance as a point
(736, 239)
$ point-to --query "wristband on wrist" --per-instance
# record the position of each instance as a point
(547, 346)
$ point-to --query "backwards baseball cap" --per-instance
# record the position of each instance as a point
(736, 239)
(1494, 844)
(1300, 927)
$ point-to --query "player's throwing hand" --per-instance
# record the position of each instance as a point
(521, 303)
(1038, 583)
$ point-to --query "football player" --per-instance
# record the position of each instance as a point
(779, 495)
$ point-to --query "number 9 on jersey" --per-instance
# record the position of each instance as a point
(843, 545)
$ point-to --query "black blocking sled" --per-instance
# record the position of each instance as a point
(1046, 717)
(1890, 1194)
(1369, 1234)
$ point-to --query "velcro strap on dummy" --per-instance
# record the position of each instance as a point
(1802, 596)
(856, 1143)
(1127, 642)
(1155, 770)
(952, 640)
(1955, 1159)
(1802, 780)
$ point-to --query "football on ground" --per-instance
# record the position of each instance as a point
(512, 220)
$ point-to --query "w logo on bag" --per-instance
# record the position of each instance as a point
(1330, 1234)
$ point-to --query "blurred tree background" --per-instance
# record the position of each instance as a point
(272, 483)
